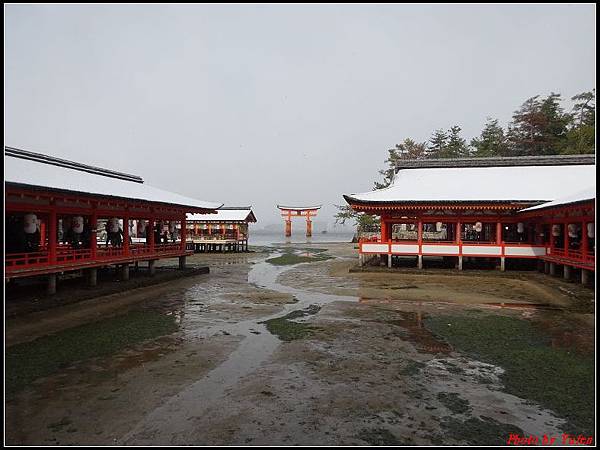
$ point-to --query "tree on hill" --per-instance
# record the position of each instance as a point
(539, 127)
(407, 149)
(581, 134)
(437, 144)
(448, 144)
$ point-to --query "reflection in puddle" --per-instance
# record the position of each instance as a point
(418, 334)
(170, 423)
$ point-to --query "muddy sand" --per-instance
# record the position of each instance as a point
(261, 354)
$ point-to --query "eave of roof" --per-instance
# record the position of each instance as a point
(29, 171)
(299, 208)
(505, 161)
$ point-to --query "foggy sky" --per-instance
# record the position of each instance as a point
(258, 105)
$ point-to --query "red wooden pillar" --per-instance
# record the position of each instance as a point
(52, 235)
(420, 234)
(384, 230)
(566, 238)
(584, 239)
(183, 233)
(288, 224)
(126, 234)
(42, 234)
(499, 233)
(459, 237)
(150, 234)
(93, 235)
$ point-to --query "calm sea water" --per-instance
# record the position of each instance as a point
(279, 238)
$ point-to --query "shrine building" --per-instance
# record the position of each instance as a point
(62, 216)
(494, 209)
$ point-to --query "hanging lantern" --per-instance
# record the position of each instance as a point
(478, 227)
(30, 224)
(520, 227)
(572, 230)
(555, 230)
(77, 224)
(591, 230)
(113, 225)
(438, 226)
(141, 226)
(172, 227)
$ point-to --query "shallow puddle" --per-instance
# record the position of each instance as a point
(169, 424)
(244, 383)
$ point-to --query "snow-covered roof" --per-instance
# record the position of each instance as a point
(299, 208)
(225, 214)
(37, 171)
(580, 196)
(482, 184)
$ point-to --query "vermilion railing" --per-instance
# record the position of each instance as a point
(69, 254)
(577, 255)
(26, 259)
(136, 250)
(164, 248)
(375, 239)
(574, 256)
(65, 254)
(109, 252)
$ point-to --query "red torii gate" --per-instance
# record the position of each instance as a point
(287, 212)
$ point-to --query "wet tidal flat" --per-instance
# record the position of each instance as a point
(287, 346)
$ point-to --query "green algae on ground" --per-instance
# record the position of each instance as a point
(29, 361)
(286, 329)
(291, 258)
(454, 402)
(556, 378)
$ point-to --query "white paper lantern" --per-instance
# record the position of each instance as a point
(591, 230)
(30, 224)
(478, 227)
(438, 226)
(520, 227)
(113, 225)
(572, 230)
(77, 224)
(555, 230)
(141, 226)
